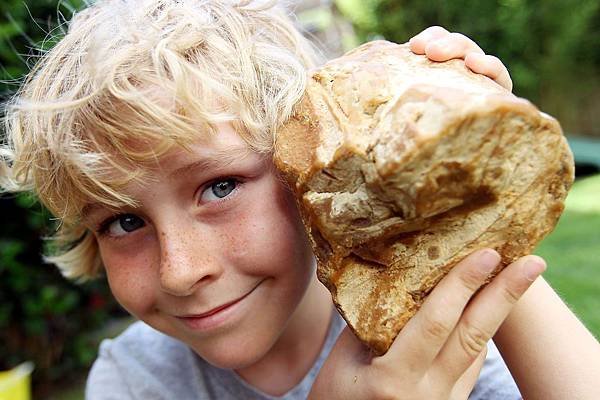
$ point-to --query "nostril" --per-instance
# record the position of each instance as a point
(185, 261)
(181, 273)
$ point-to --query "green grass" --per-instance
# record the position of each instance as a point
(572, 252)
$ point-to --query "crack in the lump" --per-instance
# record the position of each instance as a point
(372, 263)
(417, 296)
(325, 172)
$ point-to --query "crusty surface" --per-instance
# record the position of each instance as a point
(402, 167)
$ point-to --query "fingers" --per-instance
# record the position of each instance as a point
(440, 45)
(453, 45)
(489, 66)
(426, 333)
(484, 315)
(420, 41)
(464, 386)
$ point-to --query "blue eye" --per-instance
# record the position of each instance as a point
(123, 224)
(219, 189)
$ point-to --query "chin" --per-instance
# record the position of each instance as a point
(231, 357)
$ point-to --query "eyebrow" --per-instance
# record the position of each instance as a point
(217, 159)
(88, 211)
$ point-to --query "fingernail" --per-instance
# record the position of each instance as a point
(533, 267)
(488, 261)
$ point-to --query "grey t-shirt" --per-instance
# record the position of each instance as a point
(145, 364)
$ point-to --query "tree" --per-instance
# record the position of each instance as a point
(43, 317)
(550, 47)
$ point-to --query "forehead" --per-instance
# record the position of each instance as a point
(207, 153)
(220, 149)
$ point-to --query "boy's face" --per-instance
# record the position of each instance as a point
(206, 235)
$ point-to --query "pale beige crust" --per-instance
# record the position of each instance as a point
(402, 167)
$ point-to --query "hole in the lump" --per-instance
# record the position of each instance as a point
(361, 222)
(433, 252)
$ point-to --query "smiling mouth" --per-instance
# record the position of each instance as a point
(219, 308)
(214, 310)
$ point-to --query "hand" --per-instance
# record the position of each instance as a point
(440, 351)
(440, 45)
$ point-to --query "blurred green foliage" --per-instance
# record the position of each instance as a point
(43, 317)
(551, 47)
(27, 27)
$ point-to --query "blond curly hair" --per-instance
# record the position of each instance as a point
(92, 115)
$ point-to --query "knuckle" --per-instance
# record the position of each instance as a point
(509, 294)
(435, 328)
(466, 42)
(472, 339)
(458, 36)
(495, 60)
(471, 280)
(495, 64)
(436, 29)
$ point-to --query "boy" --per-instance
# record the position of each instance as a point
(148, 130)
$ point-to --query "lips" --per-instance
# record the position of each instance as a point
(216, 316)
(216, 309)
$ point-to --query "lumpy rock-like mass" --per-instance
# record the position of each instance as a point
(402, 167)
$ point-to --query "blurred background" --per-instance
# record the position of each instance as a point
(551, 48)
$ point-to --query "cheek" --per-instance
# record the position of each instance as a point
(269, 234)
(130, 279)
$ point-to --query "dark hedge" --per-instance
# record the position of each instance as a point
(43, 317)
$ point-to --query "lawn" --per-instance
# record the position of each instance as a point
(573, 253)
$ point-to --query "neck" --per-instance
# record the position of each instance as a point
(298, 347)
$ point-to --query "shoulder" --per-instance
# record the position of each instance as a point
(141, 344)
(140, 363)
(495, 380)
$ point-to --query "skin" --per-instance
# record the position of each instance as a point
(188, 252)
(440, 45)
(438, 355)
(194, 252)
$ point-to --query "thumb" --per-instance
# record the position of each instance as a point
(349, 349)
(339, 375)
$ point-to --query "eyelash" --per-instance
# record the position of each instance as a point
(102, 228)
(238, 183)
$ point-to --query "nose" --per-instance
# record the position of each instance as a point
(188, 258)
